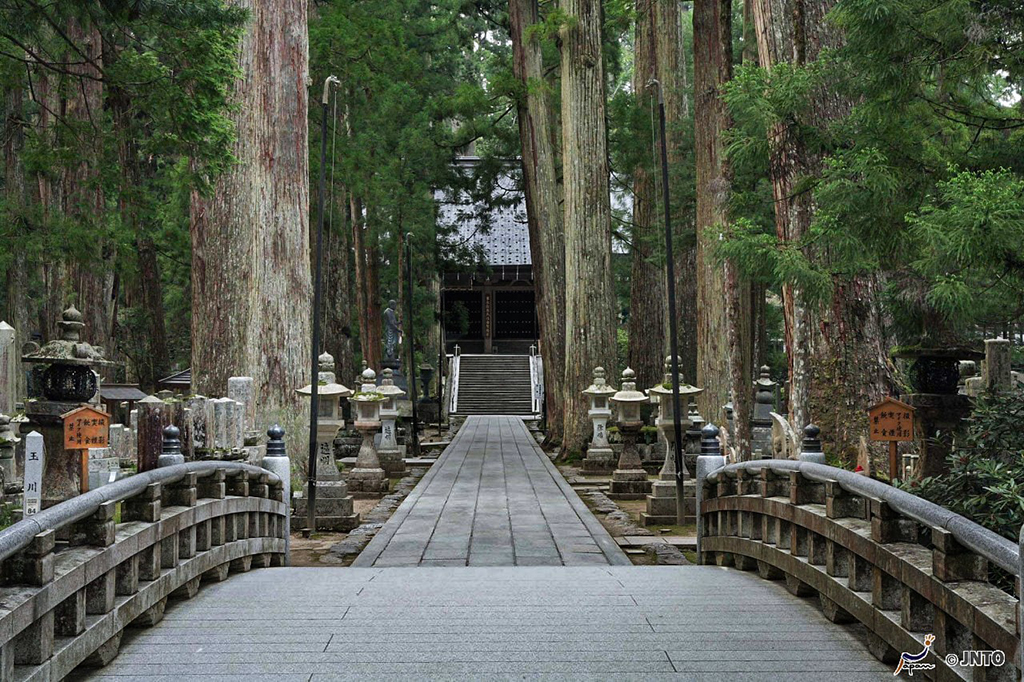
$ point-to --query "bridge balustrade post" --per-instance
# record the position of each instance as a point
(276, 460)
(170, 453)
(810, 450)
(32, 566)
(709, 461)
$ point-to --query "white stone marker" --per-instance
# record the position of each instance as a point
(34, 458)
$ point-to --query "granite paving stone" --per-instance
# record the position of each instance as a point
(546, 622)
(493, 498)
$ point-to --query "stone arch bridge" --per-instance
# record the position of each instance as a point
(493, 568)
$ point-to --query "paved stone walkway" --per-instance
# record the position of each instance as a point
(695, 623)
(492, 499)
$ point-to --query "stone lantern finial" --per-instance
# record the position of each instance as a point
(326, 362)
(71, 324)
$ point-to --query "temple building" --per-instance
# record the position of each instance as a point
(490, 308)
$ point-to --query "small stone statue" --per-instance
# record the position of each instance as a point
(392, 329)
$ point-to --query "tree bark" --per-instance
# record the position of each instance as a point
(590, 319)
(837, 353)
(712, 50)
(647, 336)
(250, 254)
(18, 283)
(543, 212)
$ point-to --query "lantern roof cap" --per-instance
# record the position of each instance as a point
(764, 380)
(387, 384)
(600, 387)
(628, 393)
(665, 388)
(327, 389)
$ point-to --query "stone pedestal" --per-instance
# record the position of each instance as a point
(629, 480)
(938, 417)
(661, 504)
(368, 476)
(334, 507)
(61, 470)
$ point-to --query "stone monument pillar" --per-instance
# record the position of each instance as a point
(629, 480)
(997, 377)
(334, 506)
(661, 503)
(761, 418)
(600, 457)
(368, 476)
(390, 453)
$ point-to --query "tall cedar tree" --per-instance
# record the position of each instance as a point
(590, 320)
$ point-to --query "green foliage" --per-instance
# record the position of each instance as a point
(124, 113)
(918, 180)
(985, 482)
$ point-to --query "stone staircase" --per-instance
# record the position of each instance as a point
(494, 384)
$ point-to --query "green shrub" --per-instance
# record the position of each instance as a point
(985, 482)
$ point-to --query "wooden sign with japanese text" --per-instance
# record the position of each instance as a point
(891, 420)
(86, 428)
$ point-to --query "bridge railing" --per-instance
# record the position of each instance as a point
(77, 574)
(900, 565)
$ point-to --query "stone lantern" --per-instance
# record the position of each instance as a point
(334, 505)
(64, 368)
(629, 480)
(391, 454)
(761, 418)
(329, 419)
(368, 475)
(600, 457)
(661, 503)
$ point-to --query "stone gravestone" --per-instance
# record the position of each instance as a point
(104, 467)
(8, 369)
(154, 415)
(243, 390)
(996, 375)
(197, 412)
(34, 459)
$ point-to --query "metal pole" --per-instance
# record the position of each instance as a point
(314, 394)
(440, 362)
(673, 323)
(412, 347)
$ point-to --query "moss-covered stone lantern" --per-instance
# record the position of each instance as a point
(629, 480)
(368, 475)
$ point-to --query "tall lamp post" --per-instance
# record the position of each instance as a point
(412, 346)
(673, 324)
(314, 383)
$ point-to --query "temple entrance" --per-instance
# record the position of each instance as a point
(489, 319)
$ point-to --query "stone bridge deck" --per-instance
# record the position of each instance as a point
(696, 623)
(493, 498)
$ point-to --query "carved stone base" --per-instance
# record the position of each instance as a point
(392, 461)
(600, 461)
(332, 513)
(368, 481)
(629, 484)
(661, 504)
